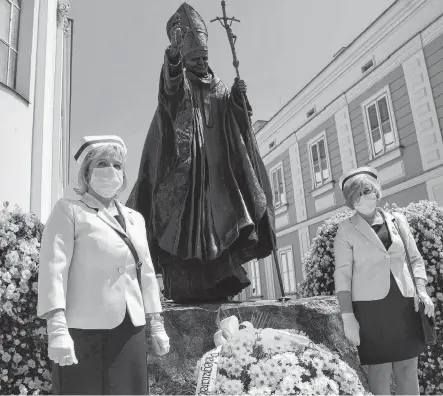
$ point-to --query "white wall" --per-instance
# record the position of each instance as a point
(16, 116)
(28, 114)
(15, 149)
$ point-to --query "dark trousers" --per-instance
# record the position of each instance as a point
(110, 362)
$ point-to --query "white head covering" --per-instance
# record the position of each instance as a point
(92, 142)
(364, 170)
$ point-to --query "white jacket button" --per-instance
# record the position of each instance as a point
(121, 269)
(387, 256)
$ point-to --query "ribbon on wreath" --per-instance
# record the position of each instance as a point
(208, 364)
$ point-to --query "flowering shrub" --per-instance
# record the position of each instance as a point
(318, 264)
(426, 221)
(271, 362)
(23, 354)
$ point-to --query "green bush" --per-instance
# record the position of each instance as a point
(426, 222)
(24, 366)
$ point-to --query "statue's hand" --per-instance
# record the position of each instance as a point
(240, 85)
(176, 38)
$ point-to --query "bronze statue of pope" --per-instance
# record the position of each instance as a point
(204, 205)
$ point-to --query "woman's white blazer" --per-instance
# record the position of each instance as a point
(363, 265)
(88, 270)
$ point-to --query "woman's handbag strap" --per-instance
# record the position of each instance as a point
(408, 258)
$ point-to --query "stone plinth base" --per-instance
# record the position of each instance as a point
(191, 330)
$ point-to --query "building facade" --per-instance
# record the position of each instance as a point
(34, 105)
(379, 102)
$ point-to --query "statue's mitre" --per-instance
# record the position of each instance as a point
(193, 27)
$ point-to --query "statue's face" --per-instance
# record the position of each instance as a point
(197, 63)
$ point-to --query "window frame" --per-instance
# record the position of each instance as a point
(316, 140)
(12, 84)
(366, 64)
(285, 250)
(311, 113)
(272, 144)
(283, 202)
(255, 278)
(384, 92)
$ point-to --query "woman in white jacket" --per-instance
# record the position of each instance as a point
(97, 282)
(375, 289)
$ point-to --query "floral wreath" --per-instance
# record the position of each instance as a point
(257, 361)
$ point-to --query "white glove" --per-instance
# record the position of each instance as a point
(160, 340)
(60, 344)
(352, 328)
(161, 286)
(424, 297)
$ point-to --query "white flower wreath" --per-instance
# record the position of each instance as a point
(249, 361)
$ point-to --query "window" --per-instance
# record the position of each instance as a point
(278, 186)
(9, 25)
(310, 113)
(367, 66)
(254, 276)
(321, 173)
(287, 270)
(380, 125)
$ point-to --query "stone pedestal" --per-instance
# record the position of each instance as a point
(191, 330)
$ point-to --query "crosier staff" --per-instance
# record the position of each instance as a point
(227, 23)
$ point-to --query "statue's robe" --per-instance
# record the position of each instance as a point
(206, 213)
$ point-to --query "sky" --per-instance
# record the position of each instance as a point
(281, 46)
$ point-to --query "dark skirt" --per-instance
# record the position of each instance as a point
(110, 362)
(390, 329)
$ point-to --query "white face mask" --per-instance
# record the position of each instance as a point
(366, 204)
(106, 181)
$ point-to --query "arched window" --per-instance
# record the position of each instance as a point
(9, 26)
